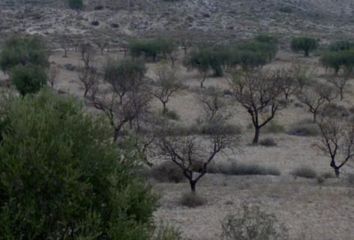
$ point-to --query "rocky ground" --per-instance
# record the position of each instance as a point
(195, 19)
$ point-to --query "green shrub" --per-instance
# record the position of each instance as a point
(61, 174)
(304, 44)
(167, 171)
(242, 169)
(28, 79)
(192, 200)
(153, 48)
(342, 45)
(76, 4)
(253, 224)
(26, 50)
(338, 60)
(304, 172)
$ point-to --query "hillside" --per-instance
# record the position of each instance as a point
(196, 19)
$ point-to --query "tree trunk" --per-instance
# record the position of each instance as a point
(307, 53)
(256, 135)
(193, 185)
(314, 117)
(341, 94)
(335, 168)
(164, 108)
(116, 135)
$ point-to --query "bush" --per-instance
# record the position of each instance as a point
(304, 172)
(338, 60)
(268, 142)
(28, 79)
(304, 44)
(243, 169)
(253, 224)
(170, 114)
(192, 200)
(304, 129)
(151, 48)
(61, 173)
(167, 172)
(76, 4)
(23, 51)
(341, 46)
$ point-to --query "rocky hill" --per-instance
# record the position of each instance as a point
(208, 19)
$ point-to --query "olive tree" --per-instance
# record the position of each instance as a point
(304, 44)
(23, 50)
(62, 177)
(28, 79)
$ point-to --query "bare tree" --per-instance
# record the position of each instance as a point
(337, 142)
(213, 104)
(102, 44)
(87, 53)
(166, 86)
(88, 77)
(339, 82)
(259, 93)
(315, 97)
(188, 151)
(125, 97)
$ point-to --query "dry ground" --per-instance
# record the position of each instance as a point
(319, 212)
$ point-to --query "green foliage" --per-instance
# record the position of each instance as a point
(152, 48)
(338, 60)
(253, 224)
(124, 75)
(304, 44)
(63, 178)
(341, 46)
(28, 79)
(26, 50)
(76, 4)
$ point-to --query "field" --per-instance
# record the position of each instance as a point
(315, 208)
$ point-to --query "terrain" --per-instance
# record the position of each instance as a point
(311, 210)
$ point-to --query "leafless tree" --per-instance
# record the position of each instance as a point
(337, 142)
(87, 53)
(167, 85)
(259, 93)
(125, 97)
(188, 151)
(102, 44)
(315, 97)
(88, 77)
(212, 103)
(339, 82)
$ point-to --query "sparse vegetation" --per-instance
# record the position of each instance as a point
(253, 223)
(304, 172)
(242, 169)
(192, 200)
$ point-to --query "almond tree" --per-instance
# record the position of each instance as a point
(337, 142)
(188, 151)
(260, 94)
(315, 97)
(340, 82)
(166, 86)
(124, 99)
